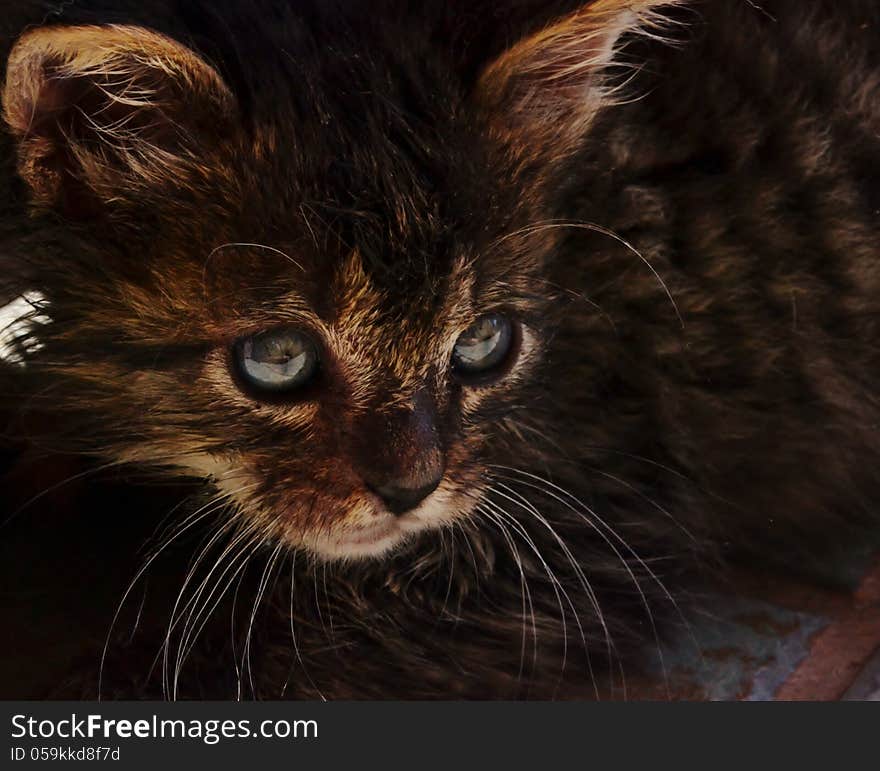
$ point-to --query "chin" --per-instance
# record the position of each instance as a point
(361, 544)
(384, 533)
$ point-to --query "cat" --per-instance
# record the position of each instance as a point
(498, 347)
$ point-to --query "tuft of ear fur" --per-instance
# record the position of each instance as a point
(542, 94)
(99, 109)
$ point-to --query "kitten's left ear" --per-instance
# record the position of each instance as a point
(541, 94)
(102, 111)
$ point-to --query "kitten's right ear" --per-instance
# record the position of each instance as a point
(540, 96)
(100, 112)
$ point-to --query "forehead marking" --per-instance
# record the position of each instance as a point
(403, 350)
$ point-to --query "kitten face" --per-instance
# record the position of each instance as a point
(334, 463)
(205, 288)
(325, 296)
(385, 438)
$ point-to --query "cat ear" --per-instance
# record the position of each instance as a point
(545, 90)
(101, 110)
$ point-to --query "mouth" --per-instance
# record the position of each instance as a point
(373, 540)
(373, 532)
(381, 536)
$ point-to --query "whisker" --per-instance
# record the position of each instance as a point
(246, 245)
(549, 491)
(647, 499)
(264, 581)
(191, 521)
(450, 558)
(558, 587)
(525, 594)
(293, 637)
(220, 502)
(59, 485)
(473, 556)
(238, 694)
(196, 620)
(593, 227)
(329, 605)
(558, 591)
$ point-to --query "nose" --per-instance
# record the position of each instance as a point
(400, 498)
(399, 453)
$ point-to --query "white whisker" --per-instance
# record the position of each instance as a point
(293, 637)
(264, 581)
(591, 226)
(525, 594)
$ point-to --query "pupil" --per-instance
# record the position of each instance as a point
(484, 345)
(276, 361)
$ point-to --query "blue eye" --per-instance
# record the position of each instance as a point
(276, 361)
(484, 346)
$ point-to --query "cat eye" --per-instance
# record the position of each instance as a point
(276, 361)
(484, 347)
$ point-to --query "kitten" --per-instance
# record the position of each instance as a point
(507, 356)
